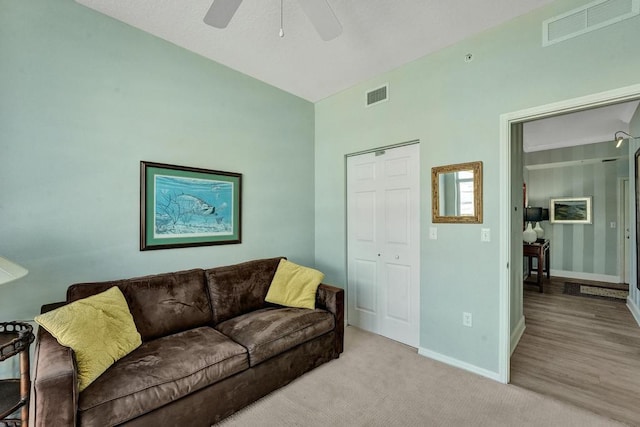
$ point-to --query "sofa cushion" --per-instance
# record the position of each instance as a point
(159, 372)
(161, 304)
(270, 331)
(241, 288)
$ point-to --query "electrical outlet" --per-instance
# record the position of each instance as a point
(467, 319)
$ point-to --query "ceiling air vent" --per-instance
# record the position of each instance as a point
(377, 95)
(587, 18)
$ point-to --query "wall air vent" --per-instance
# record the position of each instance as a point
(589, 17)
(377, 95)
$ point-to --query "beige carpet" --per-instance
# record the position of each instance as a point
(379, 382)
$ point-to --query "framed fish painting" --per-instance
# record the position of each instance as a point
(184, 206)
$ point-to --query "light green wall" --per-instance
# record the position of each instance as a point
(453, 107)
(83, 99)
(581, 248)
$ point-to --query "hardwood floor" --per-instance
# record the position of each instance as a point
(584, 351)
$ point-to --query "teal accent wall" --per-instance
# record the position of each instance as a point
(454, 108)
(581, 248)
(83, 99)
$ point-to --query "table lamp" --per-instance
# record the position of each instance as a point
(10, 271)
(545, 217)
(531, 214)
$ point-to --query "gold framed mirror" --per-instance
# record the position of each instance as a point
(456, 193)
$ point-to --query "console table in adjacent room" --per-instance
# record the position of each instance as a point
(542, 251)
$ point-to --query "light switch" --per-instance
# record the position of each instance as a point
(433, 233)
(612, 224)
(485, 235)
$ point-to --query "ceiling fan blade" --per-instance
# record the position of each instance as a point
(322, 17)
(221, 12)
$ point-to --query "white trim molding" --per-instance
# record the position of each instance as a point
(634, 309)
(516, 334)
(458, 364)
(586, 276)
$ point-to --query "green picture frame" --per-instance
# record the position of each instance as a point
(183, 206)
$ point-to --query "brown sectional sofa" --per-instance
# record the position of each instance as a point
(211, 345)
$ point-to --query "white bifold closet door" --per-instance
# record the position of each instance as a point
(383, 242)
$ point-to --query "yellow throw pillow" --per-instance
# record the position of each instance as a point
(99, 329)
(294, 285)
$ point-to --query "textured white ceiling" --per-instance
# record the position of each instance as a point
(378, 35)
(583, 127)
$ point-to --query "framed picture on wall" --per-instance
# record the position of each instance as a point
(570, 210)
(183, 206)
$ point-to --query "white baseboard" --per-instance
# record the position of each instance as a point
(634, 309)
(459, 364)
(586, 276)
(516, 334)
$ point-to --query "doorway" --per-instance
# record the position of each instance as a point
(383, 242)
(509, 203)
(583, 360)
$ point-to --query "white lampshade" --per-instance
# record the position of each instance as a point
(10, 271)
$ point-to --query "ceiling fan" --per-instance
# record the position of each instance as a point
(318, 11)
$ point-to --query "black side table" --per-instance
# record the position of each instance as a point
(15, 338)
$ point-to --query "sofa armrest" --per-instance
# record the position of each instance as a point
(55, 383)
(331, 299)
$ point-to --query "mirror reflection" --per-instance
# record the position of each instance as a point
(457, 193)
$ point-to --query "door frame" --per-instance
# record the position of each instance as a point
(622, 217)
(346, 216)
(600, 99)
